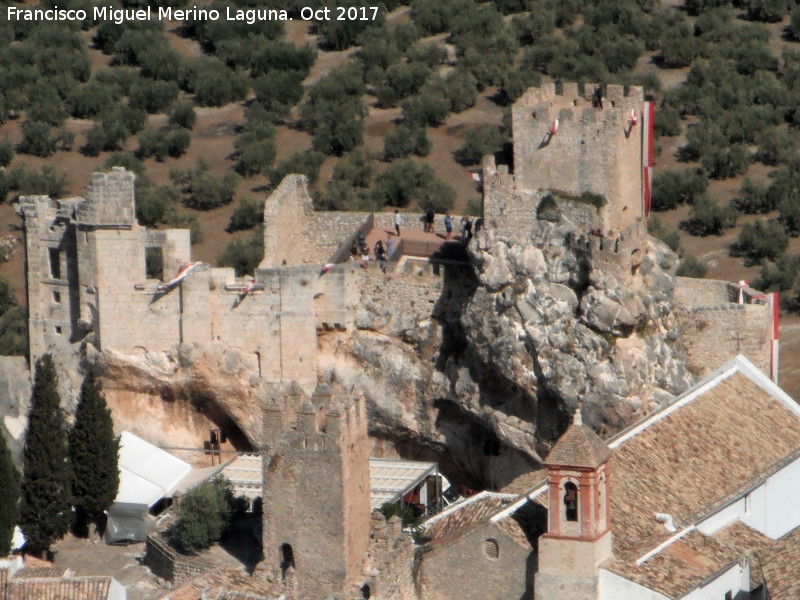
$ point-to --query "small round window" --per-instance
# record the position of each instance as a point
(491, 549)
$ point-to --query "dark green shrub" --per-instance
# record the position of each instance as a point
(667, 122)
(671, 188)
(203, 515)
(406, 181)
(335, 34)
(478, 142)
(460, 88)
(778, 276)
(707, 217)
(691, 267)
(207, 191)
(402, 80)
(244, 255)
(668, 235)
(153, 96)
(246, 215)
(305, 163)
(753, 198)
(255, 147)
(405, 141)
(182, 114)
(279, 91)
(6, 152)
(762, 240)
(36, 139)
(721, 163)
(431, 107)
(126, 160)
(154, 204)
(44, 182)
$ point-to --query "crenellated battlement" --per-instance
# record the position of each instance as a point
(109, 200)
(316, 487)
(595, 141)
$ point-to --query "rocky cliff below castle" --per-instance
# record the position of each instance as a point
(478, 365)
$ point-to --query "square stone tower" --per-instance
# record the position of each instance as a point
(568, 144)
(316, 527)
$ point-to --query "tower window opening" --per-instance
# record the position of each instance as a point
(154, 263)
(571, 501)
(55, 262)
(287, 558)
(491, 549)
(57, 297)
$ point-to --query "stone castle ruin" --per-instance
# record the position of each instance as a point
(473, 357)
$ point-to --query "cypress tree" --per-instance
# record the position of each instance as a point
(93, 452)
(45, 514)
(9, 497)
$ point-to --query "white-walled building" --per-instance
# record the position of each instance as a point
(699, 500)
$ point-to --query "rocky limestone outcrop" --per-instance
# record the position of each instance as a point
(541, 326)
(479, 366)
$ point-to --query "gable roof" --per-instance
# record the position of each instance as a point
(684, 461)
(463, 515)
(67, 588)
(780, 563)
(221, 582)
(579, 446)
(679, 566)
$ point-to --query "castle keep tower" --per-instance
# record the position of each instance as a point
(316, 528)
(567, 143)
(578, 535)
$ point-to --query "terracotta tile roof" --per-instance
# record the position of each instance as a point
(526, 482)
(687, 462)
(525, 525)
(221, 581)
(747, 540)
(67, 588)
(231, 595)
(464, 515)
(39, 572)
(780, 563)
(680, 566)
(579, 447)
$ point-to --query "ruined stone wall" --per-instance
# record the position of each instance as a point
(391, 560)
(449, 564)
(316, 491)
(47, 241)
(295, 234)
(714, 328)
(594, 150)
(167, 563)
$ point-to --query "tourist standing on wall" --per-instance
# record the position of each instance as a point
(398, 220)
(448, 225)
(429, 217)
(380, 254)
(467, 235)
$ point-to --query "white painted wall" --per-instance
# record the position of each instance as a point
(613, 587)
(771, 508)
(733, 580)
(782, 511)
(117, 591)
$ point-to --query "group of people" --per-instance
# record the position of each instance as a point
(429, 217)
(361, 248)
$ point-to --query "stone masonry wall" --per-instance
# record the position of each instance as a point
(167, 563)
(715, 329)
(316, 490)
(594, 150)
(296, 234)
(451, 563)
